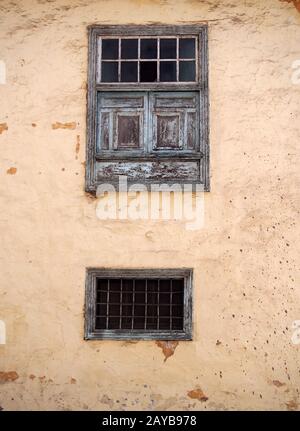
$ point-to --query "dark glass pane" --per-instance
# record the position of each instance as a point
(148, 71)
(101, 310)
(140, 285)
(140, 297)
(139, 310)
(164, 310)
(164, 298)
(114, 285)
(126, 323)
(177, 285)
(151, 310)
(168, 48)
(164, 323)
(177, 324)
(177, 298)
(101, 323)
(129, 71)
(109, 71)
(127, 285)
(152, 287)
(187, 48)
(148, 48)
(138, 323)
(114, 310)
(167, 71)
(114, 296)
(187, 71)
(177, 310)
(127, 309)
(129, 48)
(101, 296)
(110, 49)
(113, 322)
(151, 323)
(165, 285)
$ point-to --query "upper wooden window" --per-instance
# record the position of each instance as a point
(147, 105)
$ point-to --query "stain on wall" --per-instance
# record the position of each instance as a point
(8, 376)
(168, 348)
(197, 394)
(296, 3)
(58, 125)
(11, 171)
(3, 127)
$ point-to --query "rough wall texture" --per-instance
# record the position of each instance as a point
(245, 258)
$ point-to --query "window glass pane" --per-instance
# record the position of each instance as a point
(187, 48)
(109, 71)
(167, 71)
(168, 48)
(187, 71)
(129, 71)
(110, 49)
(148, 48)
(129, 48)
(148, 71)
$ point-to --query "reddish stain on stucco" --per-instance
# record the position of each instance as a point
(8, 376)
(11, 171)
(3, 127)
(296, 3)
(197, 394)
(59, 125)
(168, 347)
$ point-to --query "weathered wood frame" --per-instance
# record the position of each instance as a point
(90, 300)
(201, 31)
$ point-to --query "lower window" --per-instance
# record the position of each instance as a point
(133, 304)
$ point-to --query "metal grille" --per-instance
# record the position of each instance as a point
(139, 304)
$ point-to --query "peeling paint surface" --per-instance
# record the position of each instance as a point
(168, 348)
(59, 125)
(296, 3)
(197, 394)
(8, 376)
(245, 258)
(11, 171)
(3, 127)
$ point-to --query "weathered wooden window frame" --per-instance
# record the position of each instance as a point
(90, 300)
(200, 86)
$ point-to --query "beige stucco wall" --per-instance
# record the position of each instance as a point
(245, 258)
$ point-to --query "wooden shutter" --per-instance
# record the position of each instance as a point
(174, 121)
(121, 121)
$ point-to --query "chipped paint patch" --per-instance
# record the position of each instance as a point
(278, 384)
(296, 3)
(32, 376)
(292, 405)
(59, 125)
(197, 394)
(11, 171)
(33, 124)
(3, 127)
(77, 148)
(73, 381)
(168, 348)
(8, 376)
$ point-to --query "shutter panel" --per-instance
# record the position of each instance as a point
(121, 121)
(174, 121)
